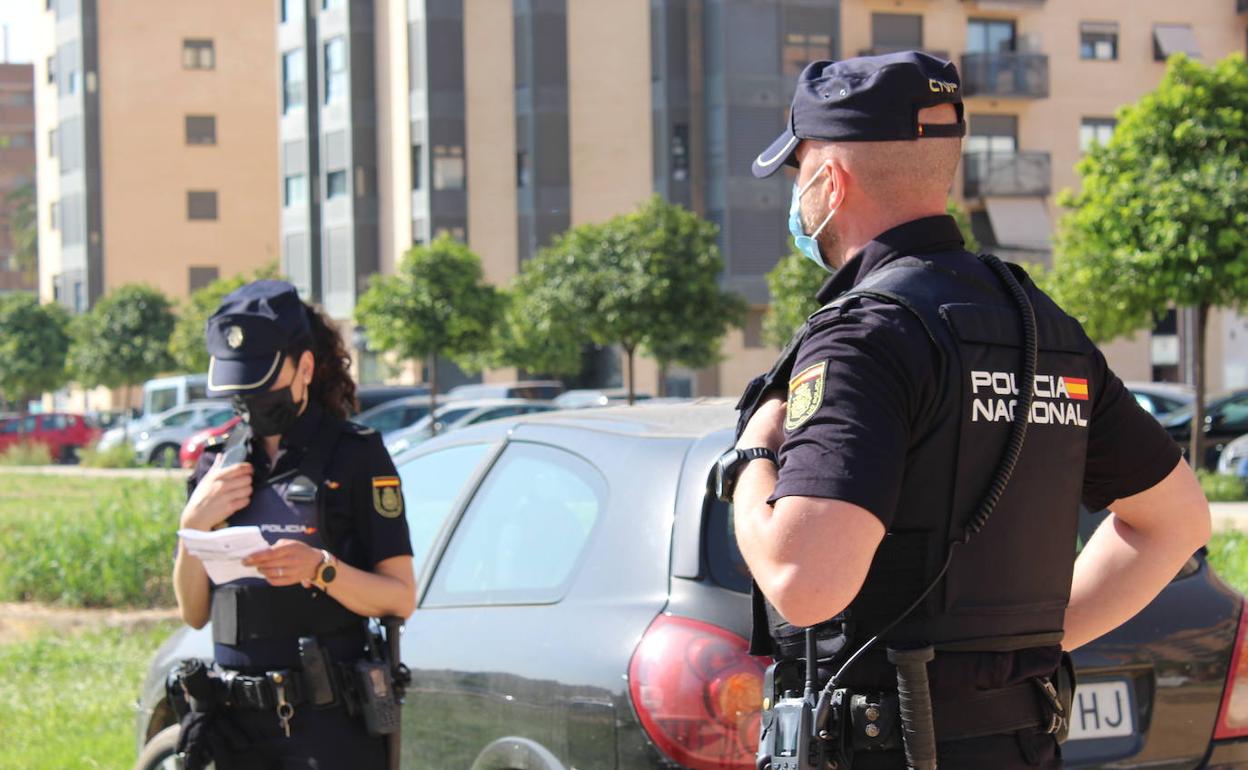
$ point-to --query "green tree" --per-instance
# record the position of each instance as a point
(187, 343)
(123, 340)
(647, 281)
(541, 330)
(34, 343)
(1161, 219)
(794, 281)
(436, 304)
(24, 229)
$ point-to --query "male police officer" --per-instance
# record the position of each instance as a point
(850, 494)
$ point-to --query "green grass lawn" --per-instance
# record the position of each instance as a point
(1228, 553)
(66, 701)
(88, 542)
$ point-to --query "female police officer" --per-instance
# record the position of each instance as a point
(325, 495)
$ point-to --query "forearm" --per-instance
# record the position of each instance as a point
(192, 589)
(1119, 571)
(371, 594)
(752, 516)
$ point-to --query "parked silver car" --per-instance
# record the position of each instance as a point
(158, 442)
(460, 414)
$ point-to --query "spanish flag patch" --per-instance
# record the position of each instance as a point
(1076, 388)
(387, 497)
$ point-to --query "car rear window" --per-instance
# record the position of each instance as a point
(524, 532)
(724, 562)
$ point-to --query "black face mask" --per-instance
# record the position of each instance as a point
(270, 413)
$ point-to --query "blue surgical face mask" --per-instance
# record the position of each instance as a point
(807, 244)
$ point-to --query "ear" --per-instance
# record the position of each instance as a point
(307, 365)
(836, 185)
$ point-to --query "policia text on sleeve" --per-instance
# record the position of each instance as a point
(943, 421)
(300, 677)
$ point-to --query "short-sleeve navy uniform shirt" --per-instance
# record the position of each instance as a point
(881, 377)
(881, 380)
(358, 458)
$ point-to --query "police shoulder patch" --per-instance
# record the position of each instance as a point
(805, 395)
(387, 496)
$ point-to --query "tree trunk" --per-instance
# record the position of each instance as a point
(630, 350)
(662, 389)
(1196, 445)
(433, 393)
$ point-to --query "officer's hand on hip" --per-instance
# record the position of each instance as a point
(766, 428)
(220, 494)
(286, 563)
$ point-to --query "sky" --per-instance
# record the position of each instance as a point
(19, 17)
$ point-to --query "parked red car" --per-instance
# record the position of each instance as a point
(61, 433)
(193, 447)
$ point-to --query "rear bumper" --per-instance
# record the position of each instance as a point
(1228, 755)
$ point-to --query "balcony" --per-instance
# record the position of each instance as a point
(1007, 74)
(1013, 174)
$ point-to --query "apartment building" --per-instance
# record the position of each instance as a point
(503, 122)
(17, 161)
(156, 129)
(1043, 80)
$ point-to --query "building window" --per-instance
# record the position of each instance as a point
(455, 232)
(417, 167)
(201, 205)
(802, 49)
(524, 169)
(448, 167)
(198, 55)
(990, 36)
(1095, 131)
(329, 5)
(293, 79)
(335, 69)
(292, 10)
(1169, 39)
(200, 277)
(51, 69)
(1098, 41)
(201, 129)
(295, 190)
(51, 142)
(680, 152)
(336, 184)
(892, 32)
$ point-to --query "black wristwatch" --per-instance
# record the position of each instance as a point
(729, 467)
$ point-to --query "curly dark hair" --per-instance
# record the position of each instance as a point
(332, 386)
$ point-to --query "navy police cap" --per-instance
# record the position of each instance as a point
(248, 335)
(867, 99)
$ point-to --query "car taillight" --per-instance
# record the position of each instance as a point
(698, 693)
(1233, 716)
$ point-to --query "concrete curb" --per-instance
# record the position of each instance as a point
(100, 473)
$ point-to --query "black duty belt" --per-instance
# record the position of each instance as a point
(261, 692)
(1030, 705)
(250, 612)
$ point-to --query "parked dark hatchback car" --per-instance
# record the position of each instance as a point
(583, 605)
(1226, 418)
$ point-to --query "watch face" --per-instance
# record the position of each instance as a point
(328, 574)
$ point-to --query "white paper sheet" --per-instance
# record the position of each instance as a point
(223, 550)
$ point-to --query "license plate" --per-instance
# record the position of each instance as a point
(1102, 710)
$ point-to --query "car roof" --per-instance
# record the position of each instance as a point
(1176, 389)
(690, 419)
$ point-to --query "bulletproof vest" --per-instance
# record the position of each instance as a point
(285, 506)
(1008, 587)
